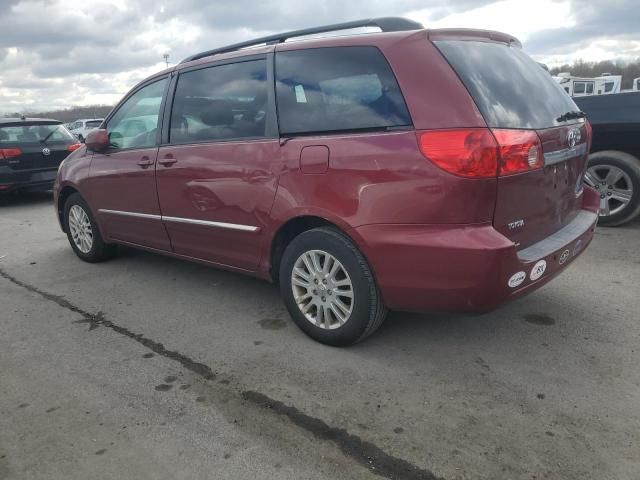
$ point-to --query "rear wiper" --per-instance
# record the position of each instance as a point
(571, 116)
(44, 140)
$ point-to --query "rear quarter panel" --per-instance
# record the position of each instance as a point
(378, 178)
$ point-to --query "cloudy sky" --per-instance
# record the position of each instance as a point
(58, 53)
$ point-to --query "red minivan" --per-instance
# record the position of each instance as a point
(410, 169)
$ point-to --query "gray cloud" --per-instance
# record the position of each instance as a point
(595, 19)
(60, 52)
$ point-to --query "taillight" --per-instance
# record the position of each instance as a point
(73, 147)
(520, 151)
(471, 153)
(10, 152)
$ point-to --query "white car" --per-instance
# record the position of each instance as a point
(82, 126)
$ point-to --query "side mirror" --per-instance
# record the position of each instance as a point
(97, 140)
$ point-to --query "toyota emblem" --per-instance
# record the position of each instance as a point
(46, 152)
(574, 137)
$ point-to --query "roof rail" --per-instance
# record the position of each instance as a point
(386, 24)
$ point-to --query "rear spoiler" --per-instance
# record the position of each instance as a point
(473, 34)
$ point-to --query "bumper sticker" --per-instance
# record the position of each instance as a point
(538, 269)
(517, 279)
(564, 256)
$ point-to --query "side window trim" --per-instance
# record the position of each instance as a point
(271, 130)
(113, 112)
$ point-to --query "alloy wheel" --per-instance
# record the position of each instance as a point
(322, 289)
(80, 227)
(613, 185)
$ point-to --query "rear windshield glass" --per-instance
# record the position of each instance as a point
(337, 89)
(35, 134)
(510, 89)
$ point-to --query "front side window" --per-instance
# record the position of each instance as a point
(608, 86)
(337, 89)
(135, 124)
(223, 102)
(93, 123)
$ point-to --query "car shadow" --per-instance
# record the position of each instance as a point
(400, 334)
(25, 198)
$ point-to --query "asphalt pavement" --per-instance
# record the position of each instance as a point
(147, 367)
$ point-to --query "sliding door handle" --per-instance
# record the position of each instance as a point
(145, 162)
(167, 160)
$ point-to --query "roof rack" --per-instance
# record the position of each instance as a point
(386, 24)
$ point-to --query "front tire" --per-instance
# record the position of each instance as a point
(616, 177)
(83, 233)
(329, 289)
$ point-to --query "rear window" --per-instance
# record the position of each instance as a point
(35, 134)
(337, 89)
(510, 89)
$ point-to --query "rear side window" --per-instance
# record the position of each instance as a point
(337, 89)
(509, 88)
(220, 103)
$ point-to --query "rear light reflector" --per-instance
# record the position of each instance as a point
(74, 147)
(471, 152)
(10, 152)
(520, 151)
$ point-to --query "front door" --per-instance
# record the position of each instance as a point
(122, 180)
(216, 181)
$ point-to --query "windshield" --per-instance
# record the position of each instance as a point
(35, 134)
(510, 89)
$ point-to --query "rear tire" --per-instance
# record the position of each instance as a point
(600, 164)
(83, 233)
(332, 295)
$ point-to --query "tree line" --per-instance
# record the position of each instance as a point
(69, 114)
(580, 68)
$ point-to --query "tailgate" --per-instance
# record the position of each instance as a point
(33, 144)
(540, 180)
(531, 206)
(41, 157)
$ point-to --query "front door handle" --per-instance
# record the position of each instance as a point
(167, 160)
(145, 162)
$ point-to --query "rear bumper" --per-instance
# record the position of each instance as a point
(14, 179)
(467, 268)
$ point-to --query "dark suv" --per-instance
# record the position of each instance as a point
(410, 169)
(31, 149)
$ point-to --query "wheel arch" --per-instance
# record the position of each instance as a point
(65, 193)
(294, 227)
